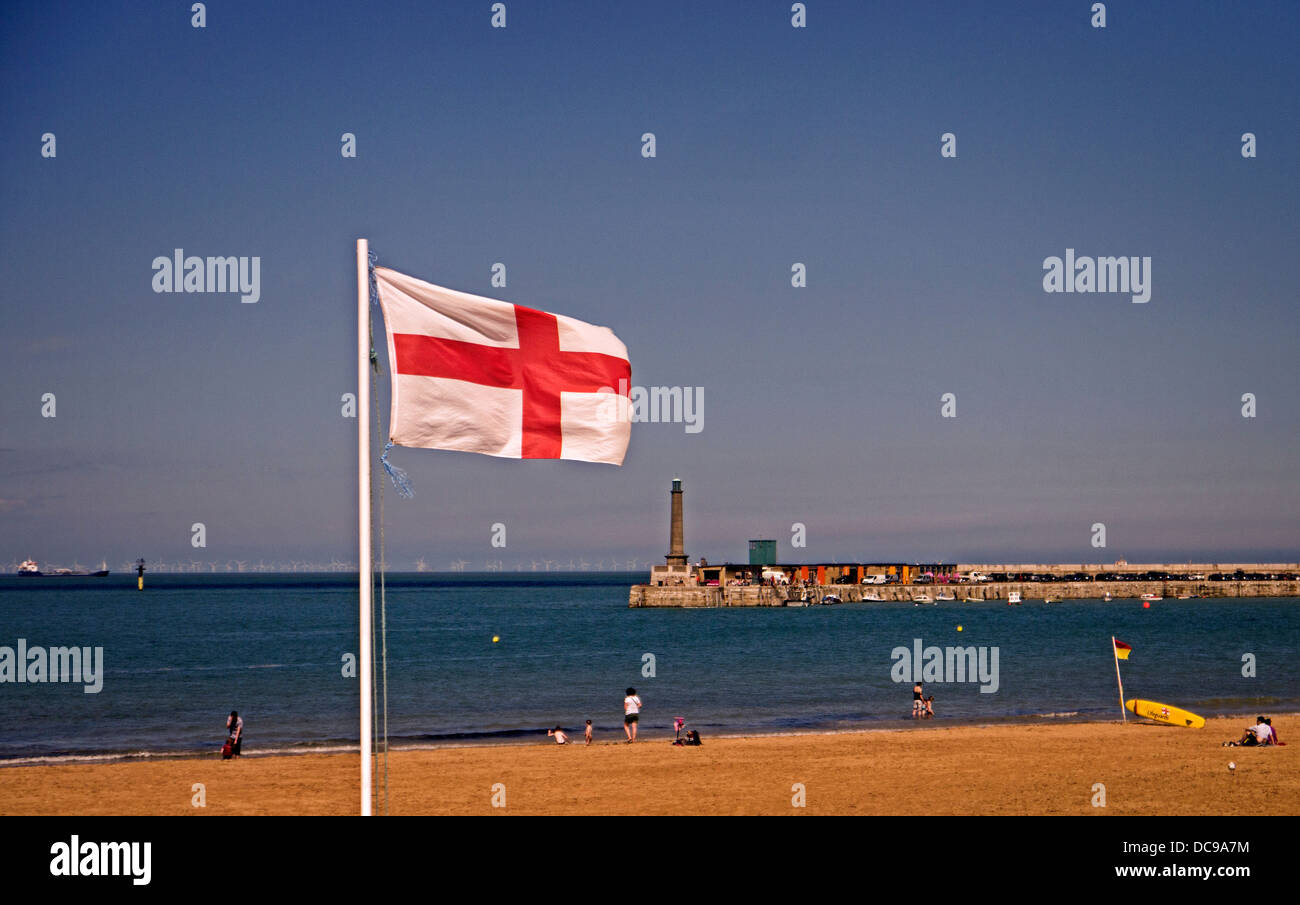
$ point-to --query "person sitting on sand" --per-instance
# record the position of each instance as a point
(560, 737)
(235, 725)
(1258, 734)
(1272, 732)
(918, 703)
(631, 714)
(587, 733)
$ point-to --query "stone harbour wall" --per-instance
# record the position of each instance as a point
(754, 595)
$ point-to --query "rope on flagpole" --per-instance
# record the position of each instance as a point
(401, 481)
(383, 556)
(374, 710)
(383, 619)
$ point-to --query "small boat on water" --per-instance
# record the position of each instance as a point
(873, 597)
(972, 600)
(920, 599)
(1108, 596)
(944, 596)
(1013, 598)
(832, 598)
(1152, 597)
(1049, 600)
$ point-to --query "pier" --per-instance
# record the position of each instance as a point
(985, 592)
(760, 582)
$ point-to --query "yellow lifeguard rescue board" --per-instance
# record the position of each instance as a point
(1163, 713)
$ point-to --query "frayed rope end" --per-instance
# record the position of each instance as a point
(400, 480)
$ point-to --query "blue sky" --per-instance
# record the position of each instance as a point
(774, 145)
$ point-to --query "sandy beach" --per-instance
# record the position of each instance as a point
(1043, 768)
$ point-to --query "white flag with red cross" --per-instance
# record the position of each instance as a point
(480, 375)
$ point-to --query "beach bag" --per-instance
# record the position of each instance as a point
(227, 750)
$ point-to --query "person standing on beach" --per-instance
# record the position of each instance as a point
(235, 725)
(929, 707)
(918, 703)
(631, 714)
(587, 733)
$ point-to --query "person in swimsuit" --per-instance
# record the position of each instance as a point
(587, 733)
(918, 704)
(561, 738)
(929, 707)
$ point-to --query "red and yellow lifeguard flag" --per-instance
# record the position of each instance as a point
(1122, 650)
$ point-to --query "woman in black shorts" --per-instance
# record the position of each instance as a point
(631, 714)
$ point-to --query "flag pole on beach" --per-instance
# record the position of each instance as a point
(363, 506)
(465, 390)
(1114, 649)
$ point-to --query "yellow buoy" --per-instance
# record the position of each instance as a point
(496, 638)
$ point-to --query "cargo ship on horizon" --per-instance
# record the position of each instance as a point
(30, 569)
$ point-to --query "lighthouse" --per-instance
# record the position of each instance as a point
(676, 542)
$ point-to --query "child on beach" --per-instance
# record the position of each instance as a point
(587, 733)
(631, 714)
(560, 737)
(929, 707)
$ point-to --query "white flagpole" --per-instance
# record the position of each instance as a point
(1123, 711)
(363, 497)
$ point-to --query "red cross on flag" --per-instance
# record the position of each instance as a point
(480, 375)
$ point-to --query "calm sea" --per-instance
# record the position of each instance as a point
(189, 649)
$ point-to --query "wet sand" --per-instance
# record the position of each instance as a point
(1028, 768)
